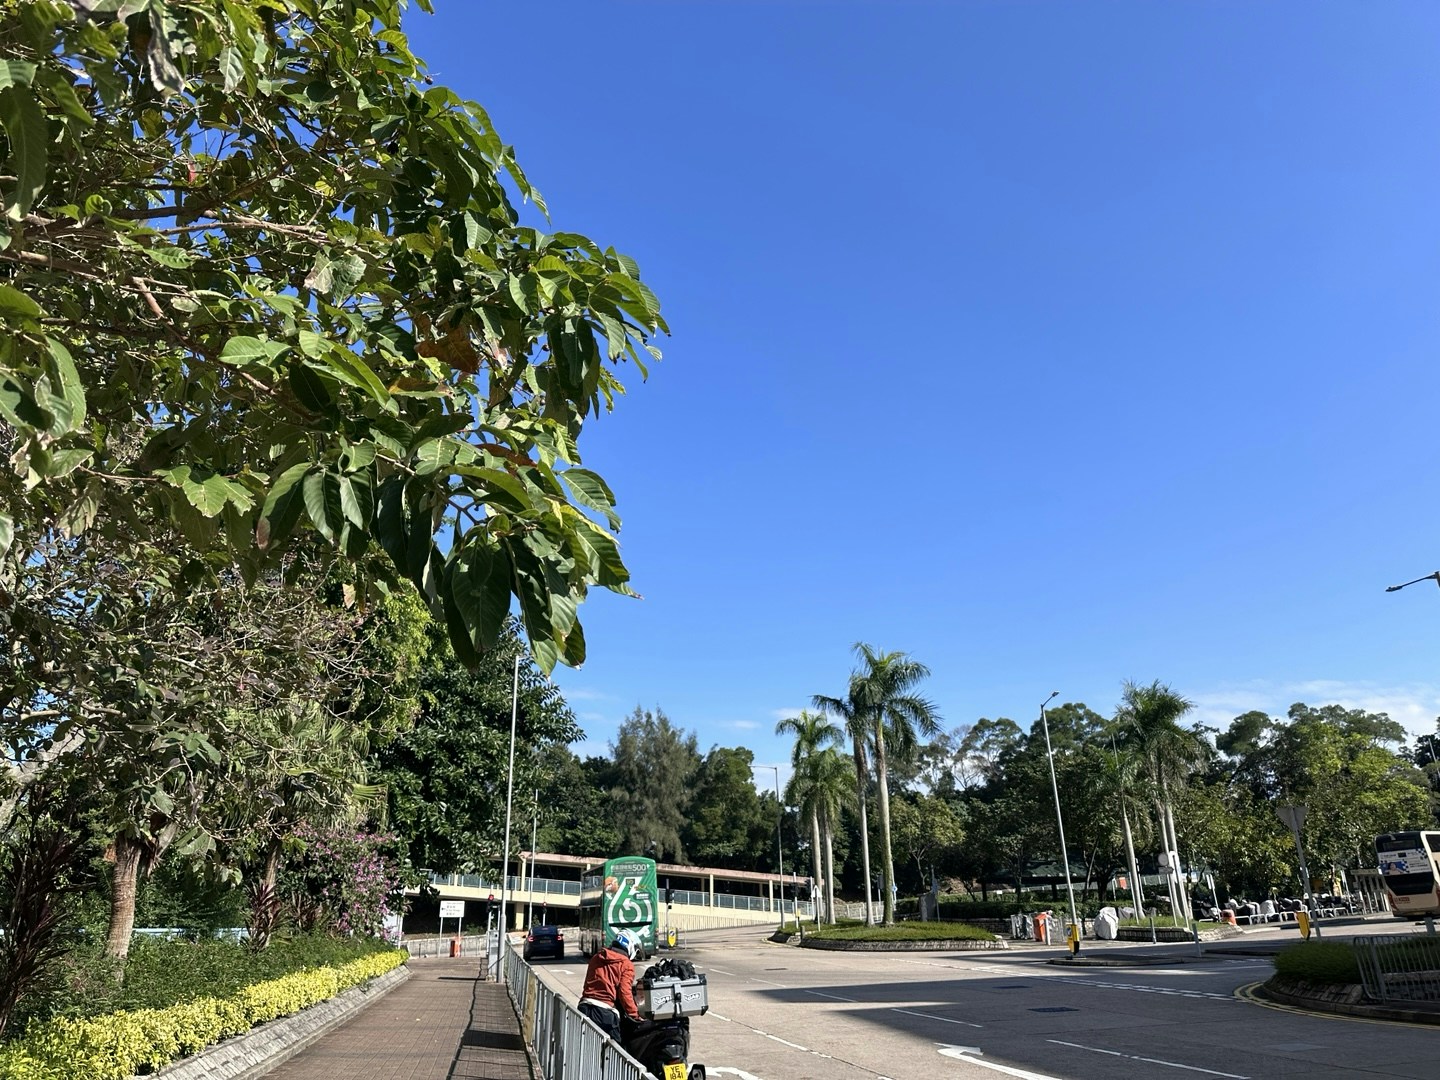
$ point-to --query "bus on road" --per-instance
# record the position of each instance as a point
(1409, 872)
(619, 894)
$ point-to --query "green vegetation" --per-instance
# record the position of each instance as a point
(1326, 962)
(160, 972)
(117, 1045)
(903, 931)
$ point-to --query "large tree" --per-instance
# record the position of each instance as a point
(655, 762)
(259, 276)
(446, 777)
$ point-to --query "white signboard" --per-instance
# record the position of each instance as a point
(452, 909)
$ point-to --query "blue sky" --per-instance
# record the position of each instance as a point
(1054, 344)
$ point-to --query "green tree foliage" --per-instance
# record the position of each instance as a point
(927, 833)
(727, 825)
(260, 278)
(575, 817)
(653, 785)
(446, 777)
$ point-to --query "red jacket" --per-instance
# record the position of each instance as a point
(607, 982)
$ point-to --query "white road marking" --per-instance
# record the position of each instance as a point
(834, 997)
(973, 1056)
(719, 972)
(721, 1070)
(932, 1016)
(1166, 990)
(1147, 1060)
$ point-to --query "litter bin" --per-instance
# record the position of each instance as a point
(1042, 926)
(455, 946)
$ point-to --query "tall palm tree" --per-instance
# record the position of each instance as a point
(830, 779)
(854, 715)
(813, 733)
(887, 683)
(1149, 721)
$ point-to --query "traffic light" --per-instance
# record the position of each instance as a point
(669, 896)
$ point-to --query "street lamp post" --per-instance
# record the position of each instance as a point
(1059, 819)
(779, 850)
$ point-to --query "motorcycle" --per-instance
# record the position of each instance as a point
(668, 994)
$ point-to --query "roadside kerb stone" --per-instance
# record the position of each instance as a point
(1348, 1000)
(902, 946)
(261, 1049)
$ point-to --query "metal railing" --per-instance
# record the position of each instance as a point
(1399, 967)
(567, 1045)
(428, 948)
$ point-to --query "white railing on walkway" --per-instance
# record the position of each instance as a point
(567, 1045)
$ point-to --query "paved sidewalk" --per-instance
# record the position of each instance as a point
(442, 1023)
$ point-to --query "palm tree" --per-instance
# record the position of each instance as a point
(830, 779)
(813, 733)
(887, 686)
(1149, 721)
(855, 717)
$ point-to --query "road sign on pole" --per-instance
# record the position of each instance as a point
(1294, 816)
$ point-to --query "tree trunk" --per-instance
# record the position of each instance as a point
(818, 881)
(864, 827)
(1136, 889)
(1181, 885)
(129, 854)
(887, 868)
(829, 870)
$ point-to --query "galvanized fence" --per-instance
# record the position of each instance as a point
(567, 1045)
(428, 948)
(1399, 967)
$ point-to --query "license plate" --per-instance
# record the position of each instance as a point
(675, 1071)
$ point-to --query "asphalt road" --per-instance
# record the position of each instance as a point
(782, 1013)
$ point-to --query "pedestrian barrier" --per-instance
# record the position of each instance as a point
(428, 948)
(567, 1046)
(1399, 967)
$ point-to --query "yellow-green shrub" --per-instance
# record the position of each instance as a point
(117, 1045)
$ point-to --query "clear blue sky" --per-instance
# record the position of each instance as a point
(1054, 344)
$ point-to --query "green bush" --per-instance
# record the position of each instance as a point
(117, 1045)
(1329, 962)
(160, 973)
(906, 931)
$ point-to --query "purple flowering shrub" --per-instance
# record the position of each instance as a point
(341, 880)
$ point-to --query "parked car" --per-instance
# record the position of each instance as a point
(544, 941)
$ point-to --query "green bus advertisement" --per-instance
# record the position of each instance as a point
(619, 894)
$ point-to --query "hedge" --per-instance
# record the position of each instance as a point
(117, 1045)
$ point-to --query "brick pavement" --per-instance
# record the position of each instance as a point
(443, 1023)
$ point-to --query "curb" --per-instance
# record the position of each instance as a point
(261, 1049)
(904, 946)
(1336, 1001)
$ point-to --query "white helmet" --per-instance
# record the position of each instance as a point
(628, 942)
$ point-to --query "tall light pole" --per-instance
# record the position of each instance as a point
(1059, 820)
(779, 850)
(509, 802)
(534, 827)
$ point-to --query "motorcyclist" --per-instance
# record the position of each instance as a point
(608, 980)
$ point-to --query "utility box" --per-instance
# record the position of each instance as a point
(664, 998)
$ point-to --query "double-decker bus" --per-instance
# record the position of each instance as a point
(619, 894)
(1410, 871)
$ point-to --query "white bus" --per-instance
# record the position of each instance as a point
(1408, 869)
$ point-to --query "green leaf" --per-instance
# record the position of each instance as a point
(24, 123)
(322, 503)
(169, 255)
(478, 581)
(15, 306)
(7, 533)
(309, 388)
(591, 491)
(232, 68)
(243, 349)
(16, 73)
(356, 500)
(282, 506)
(71, 388)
